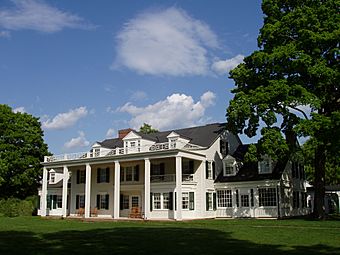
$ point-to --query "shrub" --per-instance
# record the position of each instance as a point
(13, 207)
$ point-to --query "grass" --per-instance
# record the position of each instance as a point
(35, 235)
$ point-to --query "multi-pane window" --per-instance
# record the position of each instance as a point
(157, 201)
(209, 170)
(229, 166)
(209, 201)
(166, 201)
(81, 201)
(264, 166)
(103, 175)
(134, 201)
(81, 176)
(244, 200)
(129, 174)
(125, 202)
(267, 196)
(185, 200)
(224, 198)
(103, 201)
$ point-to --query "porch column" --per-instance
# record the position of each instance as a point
(147, 188)
(64, 197)
(116, 206)
(179, 187)
(88, 191)
(43, 197)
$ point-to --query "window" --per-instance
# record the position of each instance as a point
(129, 174)
(103, 201)
(209, 202)
(185, 200)
(103, 175)
(157, 201)
(52, 177)
(166, 201)
(209, 170)
(224, 198)
(267, 196)
(173, 143)
(81, 201)
(134, 201)
(244, 200)
(54, 201)
(295, 199)
(125, 202)
(59, 201)
(188, 167)
(265, 166)
(229, 166)
(229, 169)
(81, 176)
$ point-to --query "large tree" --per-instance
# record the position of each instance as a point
(295, 68)
(22, 148)
(147, 129)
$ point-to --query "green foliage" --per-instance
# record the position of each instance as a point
(147, 129)
(296, 67)
(14, 207)
(22, 148)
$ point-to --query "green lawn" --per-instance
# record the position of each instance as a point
(34, 235)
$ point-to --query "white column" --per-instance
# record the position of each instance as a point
(88, 191)
(203, 189)
(147, 188)
(179, 187)
(43, 196)
(116, 206)
(64, 197)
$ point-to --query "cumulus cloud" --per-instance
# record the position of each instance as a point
(19, 109)
(110, 132)
(65, 120)
(77, 142)
(222, 67)
(38, 15)
(177, 110)
(166, 42)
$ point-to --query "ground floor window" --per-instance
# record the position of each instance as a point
(80, 201)
(210, 201)
(166, 201)
(224, 198)
(54, 202)
(295, 199)
(135, 201)
(185, 200)
(244, 200)
(103, 201)
(267, 196)
(162, 201)
(157, 201)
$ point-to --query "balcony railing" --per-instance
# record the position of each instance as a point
(121, 151)
(171, 178)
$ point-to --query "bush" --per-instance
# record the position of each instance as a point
(14, 207)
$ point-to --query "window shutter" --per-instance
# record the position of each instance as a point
(222, 147)
(121, 202)
(171, 200)
(191, 201)
(207, 201)
(237, 199)
(191, 166)
(78, 176)
(175, 201)
(54, 201)
(137, 173)
(107, 174)
(98, 175)
(206, 169)
(213, 170)
(49, 199)
(107, 201)
(39, 200)
(98, 201)
(251, 197)
(162, 168)
(214, 201)
(151, 194)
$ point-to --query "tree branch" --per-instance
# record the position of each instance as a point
(299, 110)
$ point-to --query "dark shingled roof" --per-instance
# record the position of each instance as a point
(203, 136)
(249, 170)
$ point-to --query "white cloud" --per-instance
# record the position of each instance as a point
(167, 42)
(39, 16)
(77, 142)
(19, 109)
(177, 110)
(223, 67)
(5, 34)
(110, 132)
(138, 95)
(65, 120)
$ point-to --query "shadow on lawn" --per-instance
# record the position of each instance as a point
(138, 240)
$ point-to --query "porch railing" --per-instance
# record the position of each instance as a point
(187, 177)
(121, 151)
(163, 178)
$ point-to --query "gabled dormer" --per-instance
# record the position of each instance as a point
(230, 166)
(96, 148)
(265, 166)
(173, 139)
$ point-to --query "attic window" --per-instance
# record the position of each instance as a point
(229, 167)
(265, 166)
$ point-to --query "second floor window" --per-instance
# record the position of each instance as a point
(103, 175)
(129, 174)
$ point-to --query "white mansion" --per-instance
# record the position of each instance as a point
(180, 174)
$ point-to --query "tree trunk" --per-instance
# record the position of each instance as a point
(319, 182)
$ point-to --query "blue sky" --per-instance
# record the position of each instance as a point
(89, 68)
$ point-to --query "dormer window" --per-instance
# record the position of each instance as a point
(173, 143)
(229, 166)
(52, 176)
(265, 166)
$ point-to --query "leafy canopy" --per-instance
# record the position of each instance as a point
(147, 129)
(22, 148)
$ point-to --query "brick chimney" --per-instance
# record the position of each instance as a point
(123, 132)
